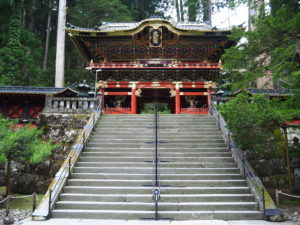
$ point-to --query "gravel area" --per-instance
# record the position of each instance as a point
(292, 214)
(16, 214)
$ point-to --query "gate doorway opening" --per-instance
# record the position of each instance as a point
(173, 97)
(162, 96)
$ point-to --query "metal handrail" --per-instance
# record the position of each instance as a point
(156, 163)
(251, 177)
(55, 188)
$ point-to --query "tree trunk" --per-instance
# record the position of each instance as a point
(60, 45)
(207, 11)
(177, 10)
(47, 40)
(181, 11)
(25, 69)
(8, 177)
(298, 47)
(31, 16)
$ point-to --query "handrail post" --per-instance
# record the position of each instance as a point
(83, 140)
(49, 203)
(156, 191)
(94, 122)
(156, 145)
(263, 201)
(33, 201)
(219, 126)
(7, 205)
(229, 144)
(244, 169)
(69, 175)
(277, 198)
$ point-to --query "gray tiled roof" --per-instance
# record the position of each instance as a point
(269, 92)
(113, 26)
(32, 90)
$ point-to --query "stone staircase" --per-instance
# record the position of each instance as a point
(199, 179)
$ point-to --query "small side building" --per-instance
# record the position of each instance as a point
(26, 103)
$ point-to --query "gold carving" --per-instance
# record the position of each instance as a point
(138, 92)
(172, 92)
(210, 84)
(155, 37)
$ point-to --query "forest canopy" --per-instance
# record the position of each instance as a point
(28, 35)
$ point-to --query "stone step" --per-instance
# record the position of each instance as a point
(161, 150)
(101, 214)
(148, 182)
(110, 135)
(150, 124)
(149, 159)
(175, 215)
(147, 190)
(147, 126)
(161, 154)
(163, 170)
(150, 130)
(140, 141)
(212, 215)
(199, 179)
(165, 145)
(163, 206)
(161, 142)
(161, 117)
(119, 197)
(163, 165)
(147, 139)
(163, 176)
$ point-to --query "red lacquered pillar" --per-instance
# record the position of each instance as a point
(133, 99)
(177, 99)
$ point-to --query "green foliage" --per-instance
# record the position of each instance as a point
(270, 48)
(23, 26)
(148, 108)
(255, 122)
(92, 13)
(193, 9)
(22, 144)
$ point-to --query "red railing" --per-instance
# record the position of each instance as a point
(199, 65)
(128, 65)
(117, 110)
(194, 110)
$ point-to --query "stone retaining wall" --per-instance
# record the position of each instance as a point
(62, 129)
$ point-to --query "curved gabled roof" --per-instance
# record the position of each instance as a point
(129, 28)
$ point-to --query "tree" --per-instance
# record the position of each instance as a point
(177, 10)
(12, 53)
(270, 48)
(181, 10)
(207, 11)
(255, 122)
(193, 6)
(60, 45)
(21, 144)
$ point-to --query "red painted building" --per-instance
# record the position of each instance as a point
(26, 103)
(137, 63)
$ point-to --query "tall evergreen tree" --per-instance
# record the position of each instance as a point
(13, 52)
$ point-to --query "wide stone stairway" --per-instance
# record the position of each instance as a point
(198, 177)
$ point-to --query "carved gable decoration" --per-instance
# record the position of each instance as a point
(155, 37)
